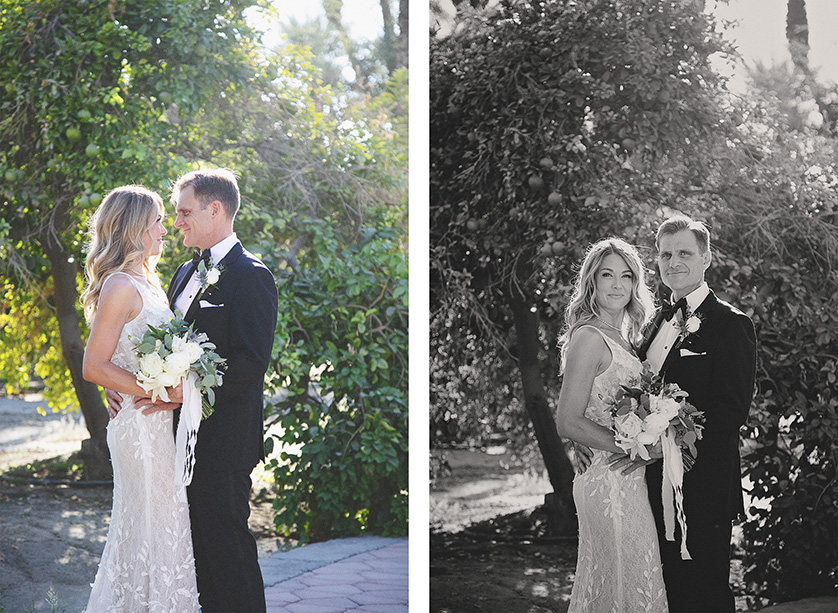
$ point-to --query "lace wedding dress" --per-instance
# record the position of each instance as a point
(618, 568)
(147, 564)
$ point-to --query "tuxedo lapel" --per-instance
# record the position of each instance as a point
(225, 263)
(706, 306)
(182, 275)
(643, 350)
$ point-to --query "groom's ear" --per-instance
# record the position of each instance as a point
(708, 257)
(216, 208)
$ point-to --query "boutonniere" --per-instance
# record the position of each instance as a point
(688, 325)
(208, 276)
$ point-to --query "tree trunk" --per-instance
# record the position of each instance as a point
(797, 34)
(389, 38)
(560, 505)
(94, 451)
(402, 45)
(334, 10)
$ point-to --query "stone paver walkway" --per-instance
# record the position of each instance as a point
(363, 574)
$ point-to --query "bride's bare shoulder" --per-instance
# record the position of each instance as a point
(120, 292)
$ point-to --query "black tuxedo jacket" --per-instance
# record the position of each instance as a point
(716, 365)
(239, 315)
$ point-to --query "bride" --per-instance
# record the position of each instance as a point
(618, 567)
(147, 563)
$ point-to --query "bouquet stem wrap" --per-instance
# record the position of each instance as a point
(187, 430)
(673, 481)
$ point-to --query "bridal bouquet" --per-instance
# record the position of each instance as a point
(650, 414)
(648, 409)
(170, 353)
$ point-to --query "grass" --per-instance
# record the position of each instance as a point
(51, 599)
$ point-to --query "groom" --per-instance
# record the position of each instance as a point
(238, 312)
(715, 363)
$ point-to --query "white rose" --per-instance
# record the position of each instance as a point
(177, 364)
(178, 344)
(166, 379)
(668, 407)
(647, 438)
(692, 324)
(213, 275)
(151, 365)
(628, 425)
(193, 351)
(656, 423)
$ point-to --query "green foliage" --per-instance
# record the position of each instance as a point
(94, 95)
(97, 94)
(325, 207)
(341, 352)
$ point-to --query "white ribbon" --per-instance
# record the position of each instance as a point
(673, 480)
(187, 430)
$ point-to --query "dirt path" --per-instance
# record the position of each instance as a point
(481, 484)
(490, 551)
(51, 537)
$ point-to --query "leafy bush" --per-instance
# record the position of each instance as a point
(778, 257)
(341, 354)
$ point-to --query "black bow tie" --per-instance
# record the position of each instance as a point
(198, 256)
(669, 310)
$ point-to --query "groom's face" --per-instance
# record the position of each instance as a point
(681, 262)
(194, 220)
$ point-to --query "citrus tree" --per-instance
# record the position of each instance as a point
(553, 124)
(93, 94)
(765, 186)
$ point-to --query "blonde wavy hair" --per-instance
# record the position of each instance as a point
(116, 232)
(583, 308)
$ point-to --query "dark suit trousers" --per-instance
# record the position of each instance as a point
(700, 585)
(226, 562)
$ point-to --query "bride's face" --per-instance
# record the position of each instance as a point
(614, 281)
(153, 238)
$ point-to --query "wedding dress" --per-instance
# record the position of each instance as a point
(147, 563)
(618, 568)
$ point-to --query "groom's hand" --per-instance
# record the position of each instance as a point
(148, 407)
(114, 402)
(626, 465)
(582, 454)
(175, 394)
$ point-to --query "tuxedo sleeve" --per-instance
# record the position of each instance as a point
(252, 328)
(734, 371)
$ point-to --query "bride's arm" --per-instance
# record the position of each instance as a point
(119, 302)
(587, 355)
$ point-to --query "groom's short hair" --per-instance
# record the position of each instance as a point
(212, 184)
(682, 222)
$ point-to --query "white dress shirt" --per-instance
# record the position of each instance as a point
(193, 286)
(668, 332)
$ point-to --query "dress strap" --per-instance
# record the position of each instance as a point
(608, 340)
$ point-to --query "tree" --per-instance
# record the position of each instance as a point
(94, 95)
(777, 255)
(552, 125)
(325, 197)
(334, 46)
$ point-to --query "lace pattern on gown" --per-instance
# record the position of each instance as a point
(147, 563)
(618, 567)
